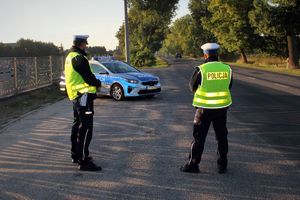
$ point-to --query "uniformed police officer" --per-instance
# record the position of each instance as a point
(210, 83)
(81, 88)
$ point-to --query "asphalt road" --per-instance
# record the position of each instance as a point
(141, 143)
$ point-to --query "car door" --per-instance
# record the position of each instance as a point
(102, 75)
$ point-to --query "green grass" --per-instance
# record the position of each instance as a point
(277, 69)
(18, 105)
(160, 63)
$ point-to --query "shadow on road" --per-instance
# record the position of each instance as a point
(141, 144)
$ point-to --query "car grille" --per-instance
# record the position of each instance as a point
(149, 91)
(150, 83)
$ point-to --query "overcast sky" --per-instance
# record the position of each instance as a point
(58, 20)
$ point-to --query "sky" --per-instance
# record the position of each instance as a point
(57, 21)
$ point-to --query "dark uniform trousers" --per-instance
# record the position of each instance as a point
(202, 120)
(82, 129)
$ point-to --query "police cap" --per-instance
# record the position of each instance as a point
(210, 48)
(81, 38)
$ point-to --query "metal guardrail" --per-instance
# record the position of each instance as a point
(19, 75)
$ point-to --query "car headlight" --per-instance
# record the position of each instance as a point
(132, 81)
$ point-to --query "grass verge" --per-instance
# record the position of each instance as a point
(160, 63)
(282, 70)
(18, 105)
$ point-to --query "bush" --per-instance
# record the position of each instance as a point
(142, 58)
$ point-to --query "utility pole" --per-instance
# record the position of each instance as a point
(127, 51)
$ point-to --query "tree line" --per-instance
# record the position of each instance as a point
(148, 25)
(31, 48)
(246, 27)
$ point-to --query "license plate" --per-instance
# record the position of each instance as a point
(151, 88)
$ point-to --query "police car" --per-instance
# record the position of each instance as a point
(120, 80)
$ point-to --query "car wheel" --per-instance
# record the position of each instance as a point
(117, 92)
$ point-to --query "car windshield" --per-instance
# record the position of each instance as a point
(119, 67)
(97, 69)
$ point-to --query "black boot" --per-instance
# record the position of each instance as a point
(190, 168)
(74, 159)
(88, 158)
(222, 165)
(222, 169)
(88, 166)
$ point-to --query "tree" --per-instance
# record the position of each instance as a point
(185, 37)
(229, 23)
(199, 35)
(6, 50)
(148, 25)
(165, 8)
(27, 47)
(279, 19)
(96, 50)
(179, 37)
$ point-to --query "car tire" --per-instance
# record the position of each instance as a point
(117, 92)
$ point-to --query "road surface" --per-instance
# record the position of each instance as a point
(141, 143)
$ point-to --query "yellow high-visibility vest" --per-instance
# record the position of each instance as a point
(74, 82)
(214, 91)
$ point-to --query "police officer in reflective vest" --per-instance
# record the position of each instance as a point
(81, 86)
(210, 83)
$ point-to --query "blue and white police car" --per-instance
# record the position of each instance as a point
(120, 80)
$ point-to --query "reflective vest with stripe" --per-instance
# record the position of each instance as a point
(74, 82)
(214, 91)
